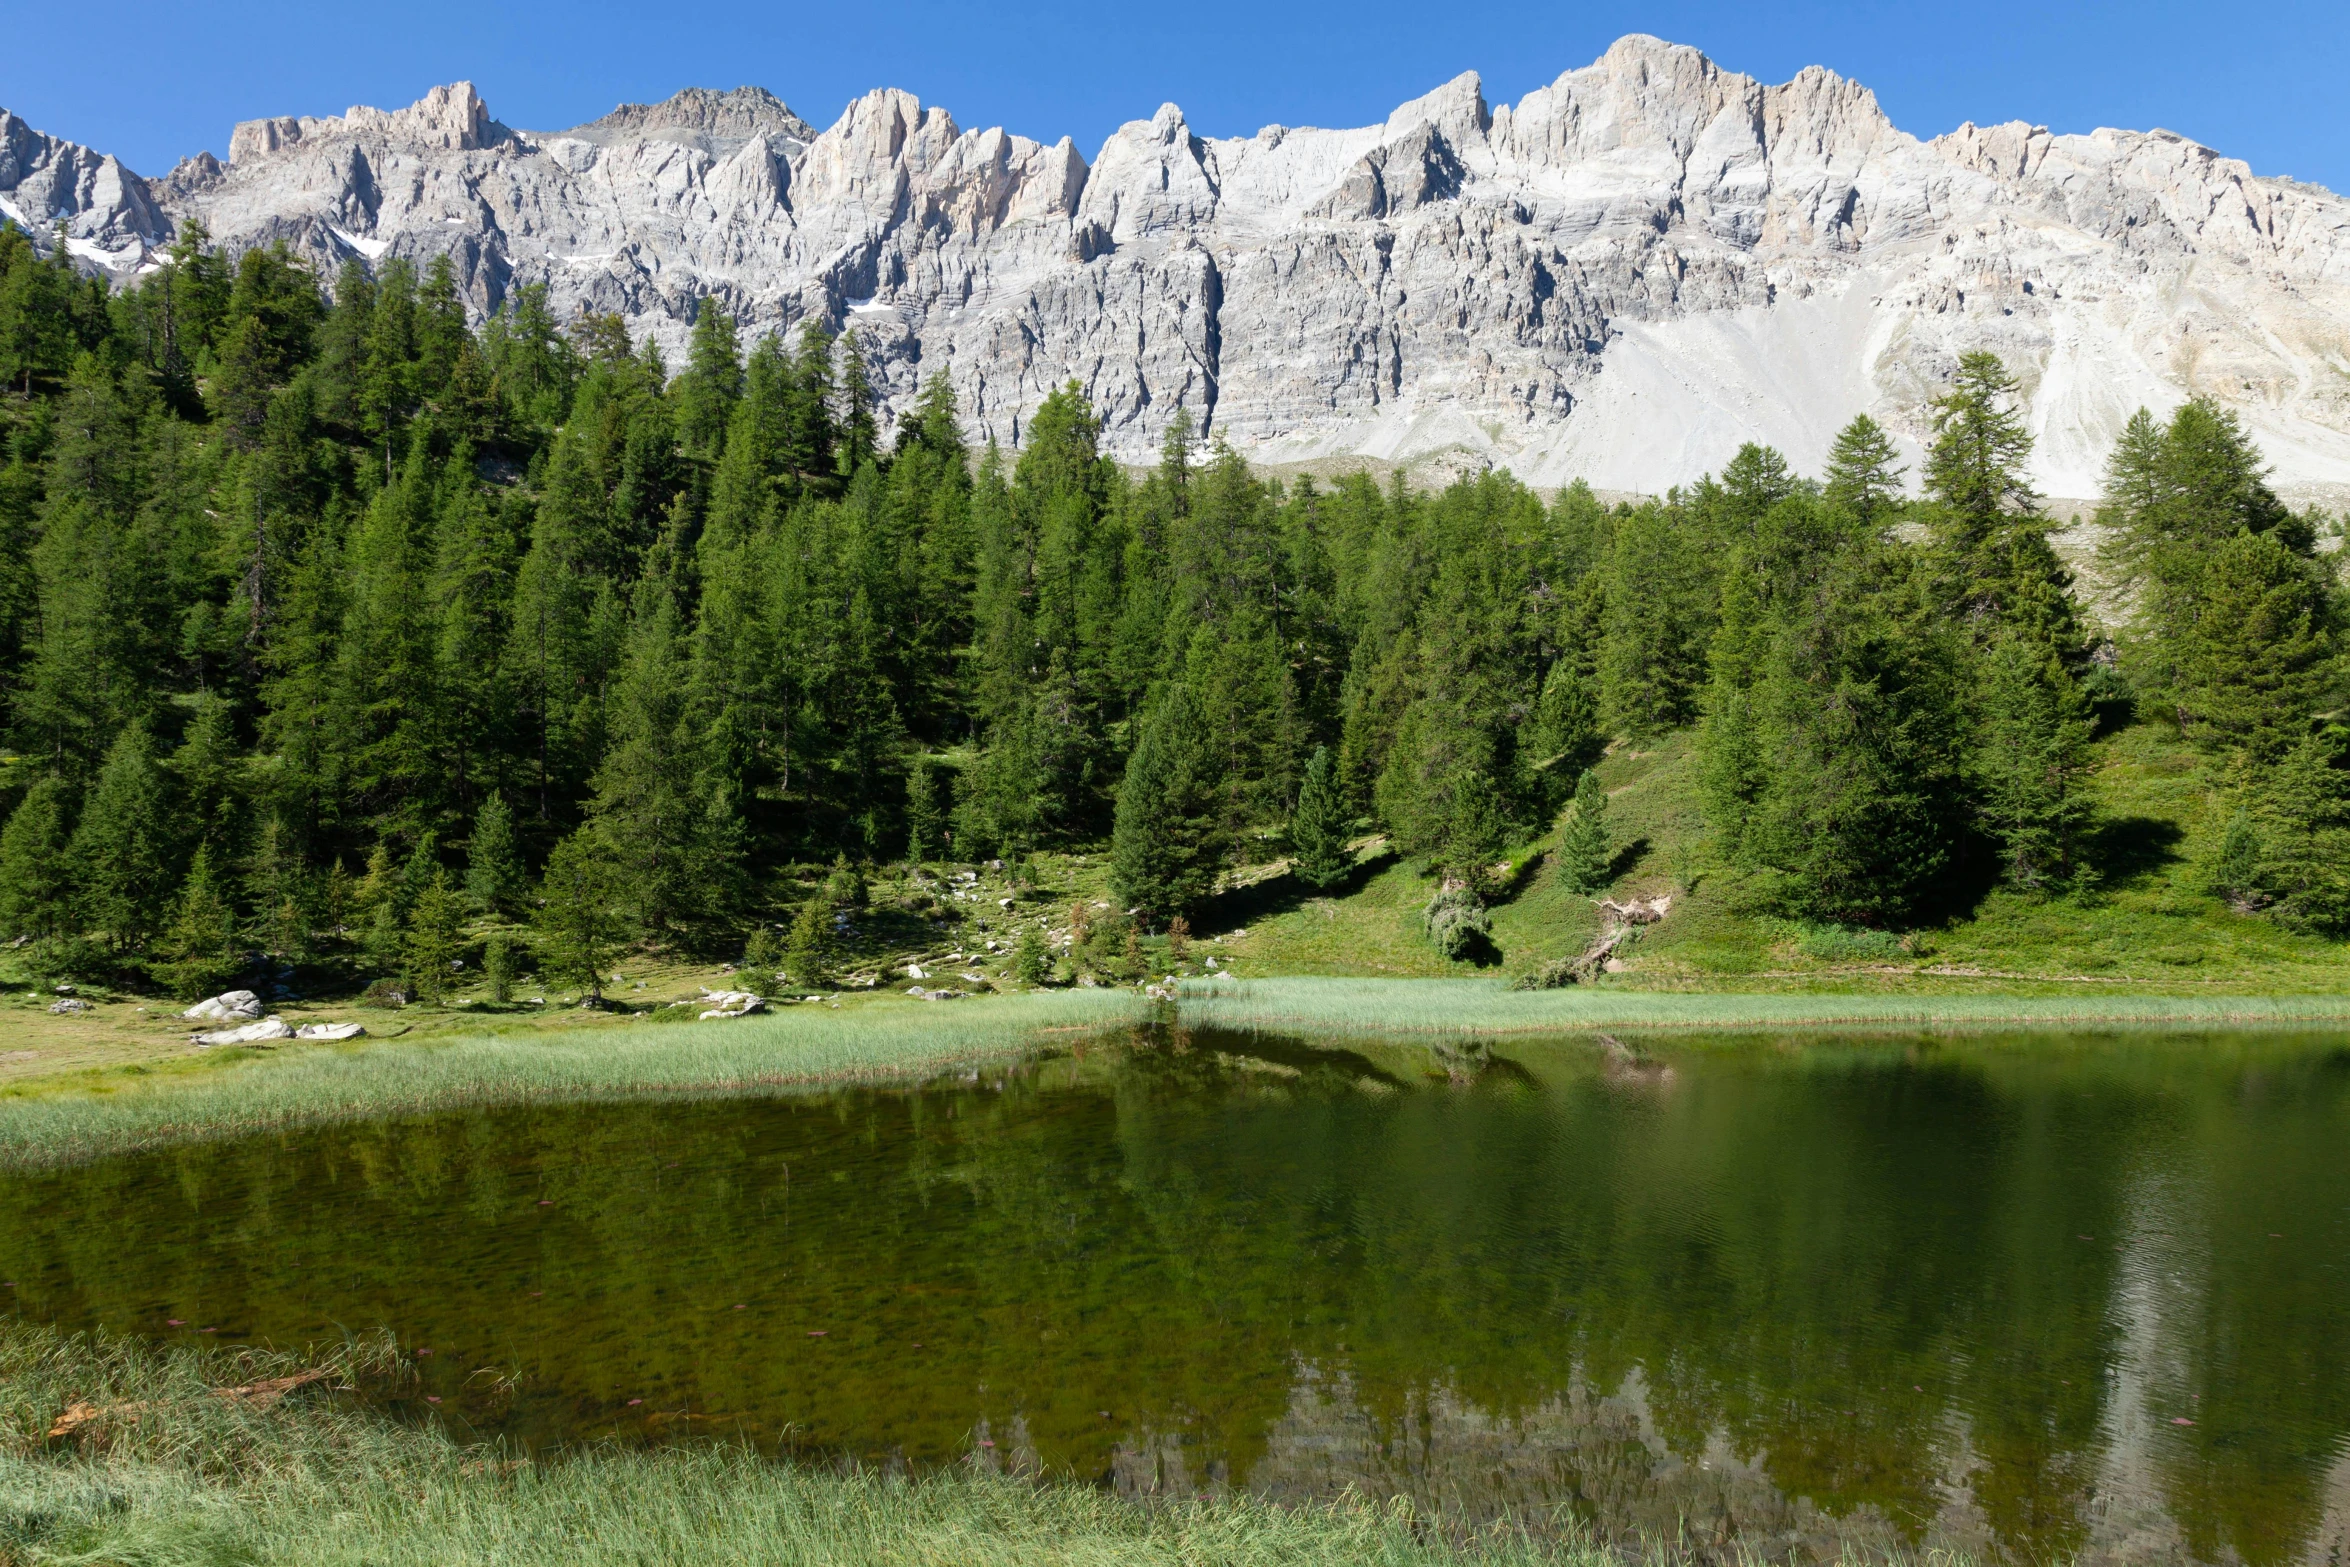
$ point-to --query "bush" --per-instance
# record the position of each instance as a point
(1459, 926)
(385, 993)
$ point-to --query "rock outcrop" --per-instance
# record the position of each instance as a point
(1619, 277)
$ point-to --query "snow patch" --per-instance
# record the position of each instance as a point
(372, 249)
(112, 260)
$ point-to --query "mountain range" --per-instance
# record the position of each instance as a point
(1619, 278)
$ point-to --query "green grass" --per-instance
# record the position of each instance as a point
(202, 1481)
(1399, 1008)
(2140, 925)
(886, 1040)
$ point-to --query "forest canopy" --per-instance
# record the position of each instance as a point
(338, 621)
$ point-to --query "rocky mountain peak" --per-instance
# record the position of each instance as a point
(452, 118)
(739, 114)
(1619, 277)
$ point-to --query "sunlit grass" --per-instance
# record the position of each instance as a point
(884, 1042)
(175, 1475)
(1404, 1007)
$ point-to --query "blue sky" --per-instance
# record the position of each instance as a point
(152, 80)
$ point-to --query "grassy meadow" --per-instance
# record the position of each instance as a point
(190, 1458)
(234, 1091)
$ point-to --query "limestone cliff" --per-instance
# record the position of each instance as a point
(1620, 277)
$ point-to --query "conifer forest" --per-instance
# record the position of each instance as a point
(336, 626)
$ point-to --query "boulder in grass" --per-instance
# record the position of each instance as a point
(731, 1003)
(232, 1006)
(330, 1031)
(250, 1034)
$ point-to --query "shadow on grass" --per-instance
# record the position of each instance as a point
(1283, 894)
(2126, 850)
(1627, 859)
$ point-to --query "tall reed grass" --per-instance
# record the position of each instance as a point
(1404, 1007)
(167, 1472)
(874, 1043)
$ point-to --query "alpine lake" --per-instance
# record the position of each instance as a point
(2025, 1297)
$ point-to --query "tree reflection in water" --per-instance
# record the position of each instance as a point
(1804, 1296)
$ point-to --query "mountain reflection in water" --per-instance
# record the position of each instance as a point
(2026, 1298)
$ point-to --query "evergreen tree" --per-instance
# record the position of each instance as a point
(201, 953)
(579, 915)
(805, 945)
(925, 822)
(2304, 822)
(2032, 754)
(1031, 963)
(1652, 658)
(1975, 466)
(675, 848)
(2262, 652)
(1586, 850)
(494, 879)
(1864, 474)
(712, 385)
(1168, 846)
(122, 851)
(435, 929)
(1562, 738)
(497, 967)
(1319, 855)
(35, 889)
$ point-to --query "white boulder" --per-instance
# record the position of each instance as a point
(330, 1031)
(232, 1006)
(250, 1034)
(731, 1003)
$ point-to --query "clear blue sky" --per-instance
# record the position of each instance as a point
(153, 80)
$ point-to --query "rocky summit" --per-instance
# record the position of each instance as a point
(1619, 278)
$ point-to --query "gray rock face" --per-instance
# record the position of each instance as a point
(1618, 278)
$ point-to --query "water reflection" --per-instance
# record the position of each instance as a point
(1806, 1297)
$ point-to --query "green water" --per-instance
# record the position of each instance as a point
(1811, 1296)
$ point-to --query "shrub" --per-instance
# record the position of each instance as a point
(1458, 925)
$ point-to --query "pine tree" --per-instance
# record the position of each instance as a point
(122, 850)
(494, 879)
(1168, 846)
(2263, 651)
(579, 915)
(2304, 821)
(1031, 963)
(1652, 658)
(1561, 739)
(1319, 855)
(1864, 475)
(497, 967)
(2032, 755)
(1586, 850)
(1975, 466)
(201, 953)
(805, 945)
(925, 822)
(435, 929)
(35, 888)
(707, 393)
